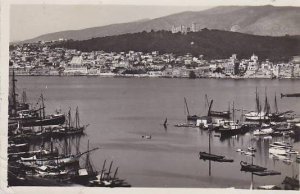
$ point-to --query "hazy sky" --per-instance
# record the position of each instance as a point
(29, 21)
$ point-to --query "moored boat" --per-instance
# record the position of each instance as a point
(251, 167)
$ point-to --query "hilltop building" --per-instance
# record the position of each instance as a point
(184, 29)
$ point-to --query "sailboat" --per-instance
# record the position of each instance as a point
(166, 123)
(36, 117)
(212, 157)
(190, 117)
(231, 127)
(85, 175)
(70, 128)
(220, 114)
(257, 115)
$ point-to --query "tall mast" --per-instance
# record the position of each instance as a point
(24, 97)
(209, 108)
(88, 165)
(276, 106)
(43, 105)
(187, 108)
(14, 95)
(266, 108)
(69, 118)
(77, 121)
(257, 101)
(233, 111)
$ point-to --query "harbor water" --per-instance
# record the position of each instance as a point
(122, 110)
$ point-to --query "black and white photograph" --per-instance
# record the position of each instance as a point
(153, 94)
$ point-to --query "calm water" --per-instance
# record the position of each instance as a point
(121, 110)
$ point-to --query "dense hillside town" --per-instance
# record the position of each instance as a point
(42, 58)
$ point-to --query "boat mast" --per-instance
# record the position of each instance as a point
(77, 122)
(252, 181)
(109, 170)
(24, 97)
(69, 118)
(43, 105)
(88, 165)
(14, 95)
(102, 171)
(233, 111)
(210, 105)
(187, 108)
(276, 106)
(257, 101)
(209, 151)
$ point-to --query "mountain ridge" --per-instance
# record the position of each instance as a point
(258, 20)
(213, 44)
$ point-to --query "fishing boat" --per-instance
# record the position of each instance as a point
(279, 116)
(217, 158)
(70, 128)
(166, 123)
(278, 151)
(251, 167)
(86, 174)
(146, 136)
(291, 183)
(14, 104)
(251, 149)
(290, 95)
(258, 115)
(185, 125)
(22, 147)
(220, 114)
(298, 158)
(190, 117)
(281, 144)
(268, 187)
(36, 117)
(57, 160)
(232, 127)
(20, 112)
(212, 157)
(262, 132)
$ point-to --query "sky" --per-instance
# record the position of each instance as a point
(39, 17)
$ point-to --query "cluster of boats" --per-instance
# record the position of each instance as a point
(261, 123)
(40, 148)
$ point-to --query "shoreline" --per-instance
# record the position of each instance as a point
(155, 77)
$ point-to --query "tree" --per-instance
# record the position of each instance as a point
(192, 75)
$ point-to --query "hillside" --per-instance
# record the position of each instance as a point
(258, 20)
(210, 43)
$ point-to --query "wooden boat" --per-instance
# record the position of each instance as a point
(220, 114)
(231, 127)
(87, 173)
(251, 167)
(32, 118)
(70, 128)
(190, 117)
(268, 187)
(57, 160)
(217, 158)
(281, 144)
(165, 123)
(185, 125)
(290, 95)
(291, 183)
